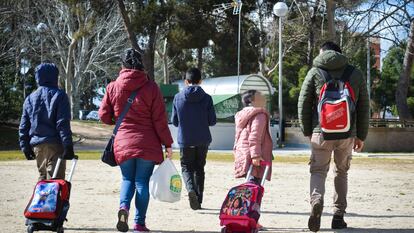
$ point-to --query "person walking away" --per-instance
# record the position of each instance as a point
(193, 113)
(253, 142)
(44, 131)
(138, 143)
(331, 67)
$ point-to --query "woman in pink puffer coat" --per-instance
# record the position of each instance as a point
(253, 142)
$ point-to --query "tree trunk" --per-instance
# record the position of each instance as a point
(149, 54)
(69, 74)
(311, 36)
(75, 103)
(127, 23)
(165, 62)
(404, 81)
(262, 37)
(200, 58)
(330, 8)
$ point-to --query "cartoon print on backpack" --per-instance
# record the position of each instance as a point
(45, 198)
(238, 202)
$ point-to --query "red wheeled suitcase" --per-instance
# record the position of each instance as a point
(240, 211)
(49, 204)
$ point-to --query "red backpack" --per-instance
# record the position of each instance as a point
(336, 107)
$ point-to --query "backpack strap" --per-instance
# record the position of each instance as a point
(130, 100)
(347, 73)
(324, 74)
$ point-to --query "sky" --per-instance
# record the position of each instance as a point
(390, 28)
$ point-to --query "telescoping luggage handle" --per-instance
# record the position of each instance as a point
(74, 161)
(262, 163)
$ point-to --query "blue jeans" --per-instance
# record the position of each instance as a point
(135, 179)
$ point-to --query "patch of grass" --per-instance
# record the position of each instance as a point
(88, 122)
(11, 155)
(225, 157)
(18, 155)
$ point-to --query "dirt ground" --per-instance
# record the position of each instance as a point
(381, 199)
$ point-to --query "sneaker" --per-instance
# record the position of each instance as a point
(259, 227)
(314, 223)
(194, 204)
(122, 224)
(338, 222)
(140, 228)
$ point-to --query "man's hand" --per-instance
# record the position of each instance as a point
(358, 145)
(169, 152)
(29, 154)
(256, 161)
(68, 153)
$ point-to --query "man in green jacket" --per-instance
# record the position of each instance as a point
(331, 60)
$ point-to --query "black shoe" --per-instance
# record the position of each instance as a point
(314, 223)
(338, 222)
(194, 204)
(122, 224)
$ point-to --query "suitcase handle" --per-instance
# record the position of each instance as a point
(72, 170)
(267, 168)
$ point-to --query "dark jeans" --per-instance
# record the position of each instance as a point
(193, 160)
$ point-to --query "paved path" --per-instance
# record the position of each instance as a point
(381, 199)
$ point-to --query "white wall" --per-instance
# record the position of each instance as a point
(223, 136)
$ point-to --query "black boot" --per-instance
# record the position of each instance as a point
(338, 222)
(314, 223)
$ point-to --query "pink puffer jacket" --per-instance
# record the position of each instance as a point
(252, 140)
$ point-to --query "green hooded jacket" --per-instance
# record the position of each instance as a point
(335, 63)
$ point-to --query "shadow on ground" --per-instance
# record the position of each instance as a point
(347, 214)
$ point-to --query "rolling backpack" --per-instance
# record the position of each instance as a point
(336, 107)
(240, 210)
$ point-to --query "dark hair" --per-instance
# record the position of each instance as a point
(329, 45)
(193, 75)
(240, 202)
(248, 97)
(131, 59)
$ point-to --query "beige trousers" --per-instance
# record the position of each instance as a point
(47, 155)
(319, 167)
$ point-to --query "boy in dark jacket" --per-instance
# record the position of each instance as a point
(193, 113)
(44, 131)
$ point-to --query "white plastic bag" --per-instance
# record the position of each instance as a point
(165, 183)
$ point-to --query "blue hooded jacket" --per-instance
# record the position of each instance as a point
(193, 113)
(46, 112)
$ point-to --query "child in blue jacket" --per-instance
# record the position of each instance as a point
(44, 131)
(193, 113)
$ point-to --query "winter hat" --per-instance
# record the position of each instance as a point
(131, 59)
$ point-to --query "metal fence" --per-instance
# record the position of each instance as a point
(373, 122)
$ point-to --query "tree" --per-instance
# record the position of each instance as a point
(142, 20)
(404, 80)
(86, 38)
(387, 86)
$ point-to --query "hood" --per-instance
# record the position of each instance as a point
(131, 80)
(330, 60)
(194, 93)
(46, 75)
(243, 116)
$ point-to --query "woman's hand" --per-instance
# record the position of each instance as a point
(169, 152)
(256, 161)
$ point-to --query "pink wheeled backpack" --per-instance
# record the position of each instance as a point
(240, 211)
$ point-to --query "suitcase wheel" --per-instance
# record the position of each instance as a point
(60, 230)
(30, 229)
